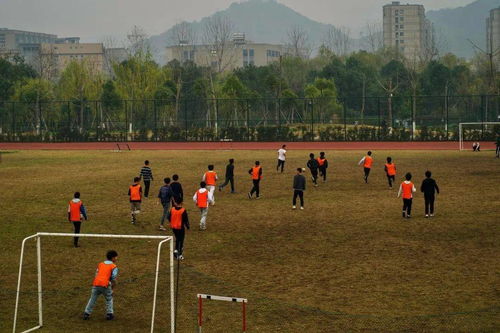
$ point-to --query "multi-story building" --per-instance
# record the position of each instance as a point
(493, 35)
(59, 55)
(23, 43)
(407, 30)
(236, 54)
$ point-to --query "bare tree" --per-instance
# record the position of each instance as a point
(182, 34)
(138, 42)
(372, 36)
(217, 35)
(338, 40)
(298, 42)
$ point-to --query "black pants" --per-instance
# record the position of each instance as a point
(322, 172)
(255, 188)
(367, 173)
(77, 225)
(314, 175)
(498, 151)
(300, 194)
(229, 180)
(146, 187)
(280, 163)
(179, 240)
(407, 206)
(429, 203)
(390, 179)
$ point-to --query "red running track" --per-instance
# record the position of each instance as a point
(449, 145)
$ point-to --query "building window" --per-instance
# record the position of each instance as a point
(401, 19)
(401, 33)
(396, 12)
(401, 26)
(396, 27)
(397, 20)
(397, 34)
(402, 41)
(245, 52)
(401, 11)
(251, 52)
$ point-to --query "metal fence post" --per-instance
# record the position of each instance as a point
(378, 110)
(345, 120)
(248, 120)
(185, 121)
(312, 119)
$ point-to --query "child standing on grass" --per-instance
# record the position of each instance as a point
(104, 282)
(313, 165)
(390, 171)
(176, 187)
(256, 173)
(367, 162)
(165, 197)
(210, 178)
(178, 221)
(407, 189)
(229, 176)
(281, 158)
(202, 198)
(429, 187)
(147, 176)
(135, 196)
(76, 211)
(299, 186)
(322, 165)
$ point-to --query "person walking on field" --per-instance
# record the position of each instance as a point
(322, 165)
(313, 165)
(147, 176)
(165, 198)
(299, 186)
(229, 176)
(256, 173)
(390, 171)
(429, 187)
(281, 158)
(498, 147)
(76, 212)
(135, 195)
(203, 198)
(367, 162)
(178, 221)
(407, 188)
(104, 282)
(210, 178)
(176, 187)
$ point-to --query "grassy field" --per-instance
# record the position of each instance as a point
(348, 262)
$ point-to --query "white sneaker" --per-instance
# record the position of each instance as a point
(294, 207)
(301, 208)
(162, 228)
(181, 257)
(432, 215)
(426, 215)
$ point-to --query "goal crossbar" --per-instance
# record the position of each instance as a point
(460, 130)
(38, 236)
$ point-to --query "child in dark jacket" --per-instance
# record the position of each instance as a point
(429, 187)
(299, 186)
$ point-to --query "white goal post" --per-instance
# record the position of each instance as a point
(461, 130)
(38, 236)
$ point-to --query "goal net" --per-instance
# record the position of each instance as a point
(71, 263)
(468, 133)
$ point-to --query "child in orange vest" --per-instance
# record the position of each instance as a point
(178, 220)
(322, 165)
(256, 173)
(390, 171)
(104, 282)
(210, 178)
(76, 211)
(406, 189)
(367, 162)
(202, 198)
(135, 195)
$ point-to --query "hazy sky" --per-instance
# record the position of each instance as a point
(94, 19)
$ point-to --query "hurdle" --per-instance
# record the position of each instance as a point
(243, 301)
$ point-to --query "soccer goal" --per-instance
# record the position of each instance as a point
(476, 131)
(243, 302)
(38, 237)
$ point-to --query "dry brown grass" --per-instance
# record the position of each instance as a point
(346, 263)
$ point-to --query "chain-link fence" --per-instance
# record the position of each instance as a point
(386, 118)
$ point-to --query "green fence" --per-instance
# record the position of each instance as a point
(387, 118)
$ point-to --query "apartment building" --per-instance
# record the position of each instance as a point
(59, 55)
(493, 35)
(406, 29)
(23, 43)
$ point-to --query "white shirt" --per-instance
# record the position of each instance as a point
(210, 197)
(281, 154)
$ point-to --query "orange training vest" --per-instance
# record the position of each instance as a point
(202, 199)
(103, 275)
(368, 162)
(135, 192)
(407, 190)
(255, 172)
(321, 161)
(176, 218)
(210, 178)
(391, 169)
(74, 211)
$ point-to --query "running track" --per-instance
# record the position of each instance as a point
(450, 145)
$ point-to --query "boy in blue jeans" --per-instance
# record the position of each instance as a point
(104, 282)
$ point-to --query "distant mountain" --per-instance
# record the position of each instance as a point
(457, 25)
(264, 21)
